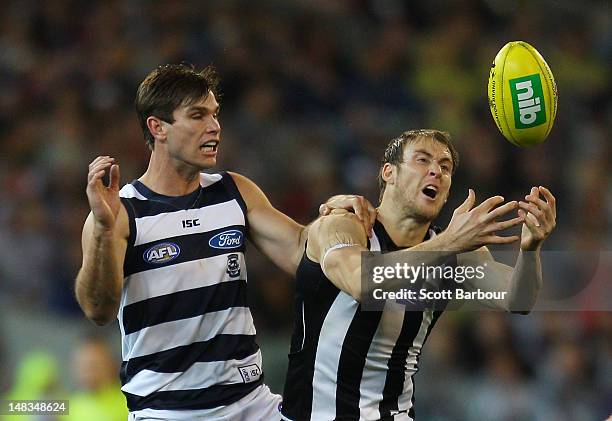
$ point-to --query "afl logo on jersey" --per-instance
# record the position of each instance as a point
(162, 253)
(230, 239)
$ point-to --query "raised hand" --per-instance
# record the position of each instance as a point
(540, 218)
(473, 227)
(359, 205)
(103, 200)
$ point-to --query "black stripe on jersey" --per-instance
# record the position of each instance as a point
(220, 348)
(231, 186)
(183, 305)
(192, 247)
(314, 289)
(157, 203)
(352, 361)
(210, 397)
(394, 383)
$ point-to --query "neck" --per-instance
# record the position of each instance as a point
(165, 176)
(404, 231)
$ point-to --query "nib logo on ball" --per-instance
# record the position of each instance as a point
(527, 101)
(522, 94)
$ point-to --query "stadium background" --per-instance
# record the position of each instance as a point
(312, 92)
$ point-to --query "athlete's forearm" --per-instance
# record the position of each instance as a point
(98, 283)
(525, 282)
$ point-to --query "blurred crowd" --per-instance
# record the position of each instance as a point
(312, 91)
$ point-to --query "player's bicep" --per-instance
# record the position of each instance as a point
(271, 231)
(337, 246)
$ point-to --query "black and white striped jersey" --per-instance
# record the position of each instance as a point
(349, 364)
(188, 339)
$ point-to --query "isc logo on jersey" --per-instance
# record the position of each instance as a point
(162, 253)
(230, 239)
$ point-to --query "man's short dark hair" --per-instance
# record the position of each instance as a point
(169, 87)
(394, 154)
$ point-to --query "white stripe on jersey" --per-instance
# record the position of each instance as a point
(336, 324)
(129, 191)
(405, 399)
(209, 179)
(145, 285)
(164, 225)
(199, 376)
(164, 336)
(383, 342)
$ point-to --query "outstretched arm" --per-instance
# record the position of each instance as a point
(523, 281)
(337, 241)
(278, 236)
(104, 241)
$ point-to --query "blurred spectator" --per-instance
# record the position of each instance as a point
(98, 397)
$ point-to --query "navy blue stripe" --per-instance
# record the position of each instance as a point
(232, 188)
(220, 348)
(192, 247)
(156, 204)
(184, 304)
(210, 397)
(396, 365)
(352, 362)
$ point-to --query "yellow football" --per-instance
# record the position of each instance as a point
(522, 94)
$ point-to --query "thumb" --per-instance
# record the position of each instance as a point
(113, 182)
(468, 203)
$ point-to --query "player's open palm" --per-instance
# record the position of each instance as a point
(474, 226)
(103, 200)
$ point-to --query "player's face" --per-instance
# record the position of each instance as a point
(423, 179)
(193, 138)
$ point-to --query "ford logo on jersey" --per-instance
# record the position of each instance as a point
(230, 239)
(162, 253)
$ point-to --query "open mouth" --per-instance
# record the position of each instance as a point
(430, 191)
(210, 146)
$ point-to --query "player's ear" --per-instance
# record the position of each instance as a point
(388, 173)
(157, 128)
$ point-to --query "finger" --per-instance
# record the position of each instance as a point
(536, 200)
(502, 210)
(498, 239)
(372, 220)
(114, 177)
(338, 211)
(324, 210)
(467, 203)
(357, 208)
(550, 199)
(99, 160)
(490, 203)
(531, 208)
(96, 178)
(532, 222)
(504, 225)
(100, 167)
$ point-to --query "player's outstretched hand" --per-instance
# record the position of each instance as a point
(473, 227)
(361, 206)
(540, 218)
(103, 200)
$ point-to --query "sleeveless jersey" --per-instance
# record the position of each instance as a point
(188, 339)
(349, 364)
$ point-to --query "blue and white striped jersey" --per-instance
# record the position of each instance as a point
(188, 339)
